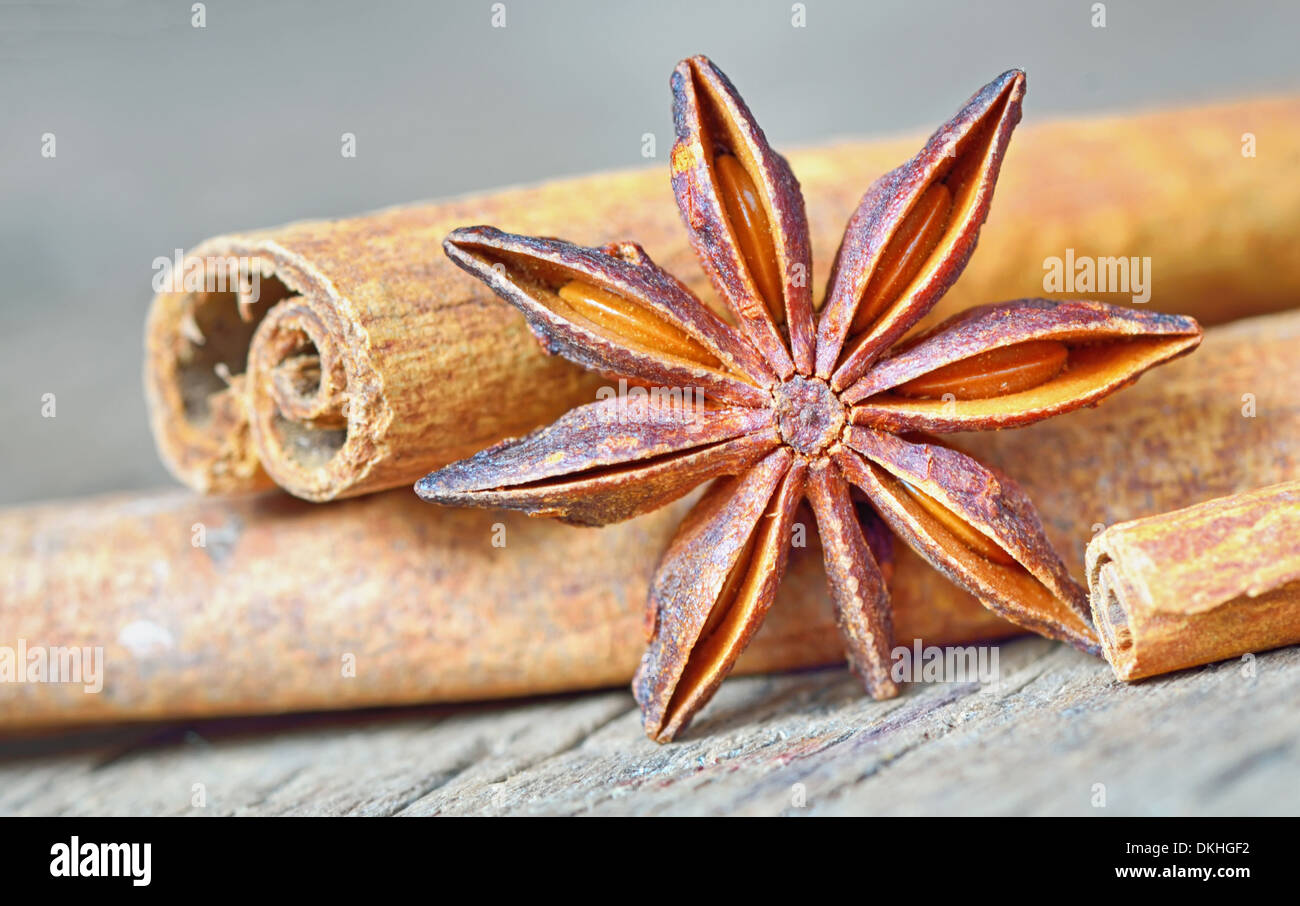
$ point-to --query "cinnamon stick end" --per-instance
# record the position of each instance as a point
(1213, 581)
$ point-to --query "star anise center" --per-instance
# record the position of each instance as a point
(808, 414)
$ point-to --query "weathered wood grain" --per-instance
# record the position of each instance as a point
(1213, 740)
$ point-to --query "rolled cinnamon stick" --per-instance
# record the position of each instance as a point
(1201, 584)
(364, 359)
(263, 616)
(289, 606)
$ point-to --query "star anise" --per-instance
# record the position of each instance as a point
(798, 406)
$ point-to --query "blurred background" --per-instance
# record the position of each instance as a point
(166, 133)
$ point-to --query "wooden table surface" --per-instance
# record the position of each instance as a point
(1056, 735)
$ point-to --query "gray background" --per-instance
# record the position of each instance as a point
(167, 134)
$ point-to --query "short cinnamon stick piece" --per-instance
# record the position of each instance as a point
(1201, 584)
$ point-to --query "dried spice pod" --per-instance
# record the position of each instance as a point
(975, 525)
(913, 233)
(722, 165)
(857, 584)
(1081, 352)
(598, 465)
(533, 273)
(707, 598)
(717, 603)
(1201, 584)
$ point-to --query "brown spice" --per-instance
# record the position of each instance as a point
(805, 403)
(1201, 584)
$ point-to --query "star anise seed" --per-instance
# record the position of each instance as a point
(803, 406)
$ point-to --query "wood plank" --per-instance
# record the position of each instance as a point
(1207, 741)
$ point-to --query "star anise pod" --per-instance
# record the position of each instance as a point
(802, 406)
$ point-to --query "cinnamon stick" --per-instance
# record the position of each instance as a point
(291, 606)
(262, 617)
(1201, 584)
(365, 359)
